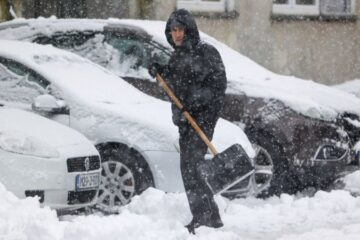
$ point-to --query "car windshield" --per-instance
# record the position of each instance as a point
(19, 85)
(136, 54)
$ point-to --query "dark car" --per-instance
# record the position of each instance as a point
(306, 127)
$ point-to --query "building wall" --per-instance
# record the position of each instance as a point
(4, 9)
(325, 51)
(108, 8)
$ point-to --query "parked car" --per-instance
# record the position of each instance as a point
(42, 158)
(133, 132)
(302, 124)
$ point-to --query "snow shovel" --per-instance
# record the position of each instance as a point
(225, 169)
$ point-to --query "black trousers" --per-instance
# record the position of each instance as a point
(192, 152)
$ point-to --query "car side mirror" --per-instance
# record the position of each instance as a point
(49, 104)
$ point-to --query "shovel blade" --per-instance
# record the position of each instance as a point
(226, 168)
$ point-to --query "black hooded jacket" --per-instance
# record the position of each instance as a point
(195, 72)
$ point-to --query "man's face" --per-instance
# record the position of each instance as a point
(177, 34)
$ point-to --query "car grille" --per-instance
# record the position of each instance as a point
(83, 164)
(81, 197)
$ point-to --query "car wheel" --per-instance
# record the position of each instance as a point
(124, 174)
(282, 181)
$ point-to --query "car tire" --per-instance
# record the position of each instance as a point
(124, 174)
(282, 180)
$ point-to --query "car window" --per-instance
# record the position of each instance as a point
(137, 53)
(159, 53)
(19, 83)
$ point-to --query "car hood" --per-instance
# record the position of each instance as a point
(25, 124)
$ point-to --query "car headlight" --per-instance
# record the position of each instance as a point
(330, 152)
(17, 142)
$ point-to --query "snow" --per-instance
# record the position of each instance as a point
(352, 87)
(352, 181)
(156, 215)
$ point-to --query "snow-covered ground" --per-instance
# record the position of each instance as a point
(156, 215)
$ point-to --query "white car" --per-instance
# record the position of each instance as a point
(39, 157)
(133, 132)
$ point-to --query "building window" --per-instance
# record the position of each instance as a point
(207, 5)
(337, 7)
(323, 8)
(296, 7)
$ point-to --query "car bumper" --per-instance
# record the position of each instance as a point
(49, 178)
(322, 172)
(165, 167)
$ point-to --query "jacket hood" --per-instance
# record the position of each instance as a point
(184, 18)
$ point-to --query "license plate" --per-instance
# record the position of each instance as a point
(87, 181)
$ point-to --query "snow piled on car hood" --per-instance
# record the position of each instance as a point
(244, 75)
(352, 87)
(98, 91)
(14, 122)
(159, 216)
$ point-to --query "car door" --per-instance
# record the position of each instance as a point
(20, 86)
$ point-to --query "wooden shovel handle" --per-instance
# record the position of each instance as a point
(192, 122)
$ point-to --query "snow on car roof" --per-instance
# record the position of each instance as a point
(101, 90)
(244, 75)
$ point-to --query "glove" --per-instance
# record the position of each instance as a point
(155, 68)
(177, 116)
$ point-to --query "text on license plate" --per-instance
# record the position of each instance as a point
(87, 181)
